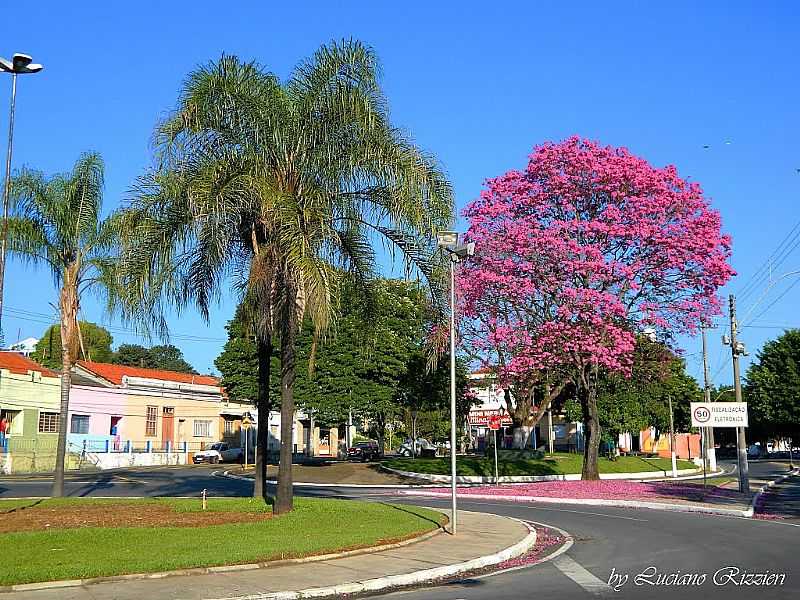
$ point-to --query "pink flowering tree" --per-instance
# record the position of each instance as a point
(575, 255)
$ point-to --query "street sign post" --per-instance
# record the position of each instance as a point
(246, 423)
(718, 414)
(494, 425)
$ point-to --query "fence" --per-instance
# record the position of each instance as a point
(31, 455)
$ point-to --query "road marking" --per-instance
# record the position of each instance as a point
(582, 577)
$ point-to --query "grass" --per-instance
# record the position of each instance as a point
(316, 526)
(555, 464)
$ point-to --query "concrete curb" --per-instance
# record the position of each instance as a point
(690, 508)
(406, 579)
(533, 478)
(762, 490)
(374, 486)
(65, 583)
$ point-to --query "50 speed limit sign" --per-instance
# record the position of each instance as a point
(719, 414)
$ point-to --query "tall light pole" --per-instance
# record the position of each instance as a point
(738, 349)
(20, 64)
(448, 241)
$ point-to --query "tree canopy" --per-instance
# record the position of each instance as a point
(166, 357)
(97, 342)
(773, 387)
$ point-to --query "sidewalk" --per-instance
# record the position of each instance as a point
(482, 540)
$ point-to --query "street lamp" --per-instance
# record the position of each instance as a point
(20, 64)
(448, 241)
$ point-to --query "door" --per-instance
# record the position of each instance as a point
(168, 426)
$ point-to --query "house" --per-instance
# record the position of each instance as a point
(29, 400)
(25, 347)
(137, 409)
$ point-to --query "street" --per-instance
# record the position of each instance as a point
(606, 540)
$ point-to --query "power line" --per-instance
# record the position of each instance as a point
(778, 256)
(32, 317)
(774, 302)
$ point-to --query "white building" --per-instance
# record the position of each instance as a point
(25, 347)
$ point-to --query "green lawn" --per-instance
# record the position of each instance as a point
(315, 527)
(556, 464)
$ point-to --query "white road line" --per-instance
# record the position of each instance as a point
(582, 577)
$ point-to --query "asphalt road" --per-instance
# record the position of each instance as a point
(607, 541)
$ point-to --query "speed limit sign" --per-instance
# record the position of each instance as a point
(719, 414)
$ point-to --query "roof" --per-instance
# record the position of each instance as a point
(115, 373)
(15, 362)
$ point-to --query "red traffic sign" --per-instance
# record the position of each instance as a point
(495, 421)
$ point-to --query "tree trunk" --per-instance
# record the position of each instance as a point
(591, 426)
(284, 498)
(263, 405)
(522, 436)
(68, 302)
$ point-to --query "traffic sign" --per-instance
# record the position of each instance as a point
(719, 414)
(246, 422)
(494, 422)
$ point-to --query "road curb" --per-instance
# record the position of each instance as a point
(406, 579)
(762, 490)
(374, 486)
(478, 479)
(67, 583)
(694, 508)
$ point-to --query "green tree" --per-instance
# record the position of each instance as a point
(629, 404)
(57, 223)
(94, 344)
(773, 388)
(280, 186)
(165, 357)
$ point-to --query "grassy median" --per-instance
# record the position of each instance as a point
(47, 540)
(555, 464)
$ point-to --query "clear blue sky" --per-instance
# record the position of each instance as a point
(477, 83)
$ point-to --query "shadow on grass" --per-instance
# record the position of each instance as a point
(410, 510)
(33, 504)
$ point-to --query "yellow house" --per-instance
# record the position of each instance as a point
(29, 401)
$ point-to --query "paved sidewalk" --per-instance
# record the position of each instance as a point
(479, 535)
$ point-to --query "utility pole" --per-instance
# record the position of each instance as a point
(672, 439)
(737, 349)
(710, 454)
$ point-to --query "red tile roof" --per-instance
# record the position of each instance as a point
(16, 363)
(114, 373)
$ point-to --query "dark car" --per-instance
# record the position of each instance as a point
(364, 451)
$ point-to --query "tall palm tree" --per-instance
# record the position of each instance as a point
(279, 188)
(56, 222)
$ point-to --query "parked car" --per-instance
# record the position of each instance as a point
(422, 448)
(217, 453)
(364, 451)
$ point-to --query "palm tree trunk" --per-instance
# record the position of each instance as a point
(69, 323)
(283, 497)
(263, 405)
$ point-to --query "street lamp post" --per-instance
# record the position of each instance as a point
(20, 64)
(448, 241)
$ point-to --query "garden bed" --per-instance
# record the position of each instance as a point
(551, 464)
(83, 538)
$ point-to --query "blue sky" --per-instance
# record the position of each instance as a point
(476, 83)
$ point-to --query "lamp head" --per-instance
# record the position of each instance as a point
(21, 61)
(446, 238)
(20, 64)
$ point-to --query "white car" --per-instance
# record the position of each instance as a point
(217, 453)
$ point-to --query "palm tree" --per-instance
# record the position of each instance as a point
(56, 222)
(279, 188)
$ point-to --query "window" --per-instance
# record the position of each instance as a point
(228, 427)
(79, 424)
(202, 429)
(48, 422)
(152, 421)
